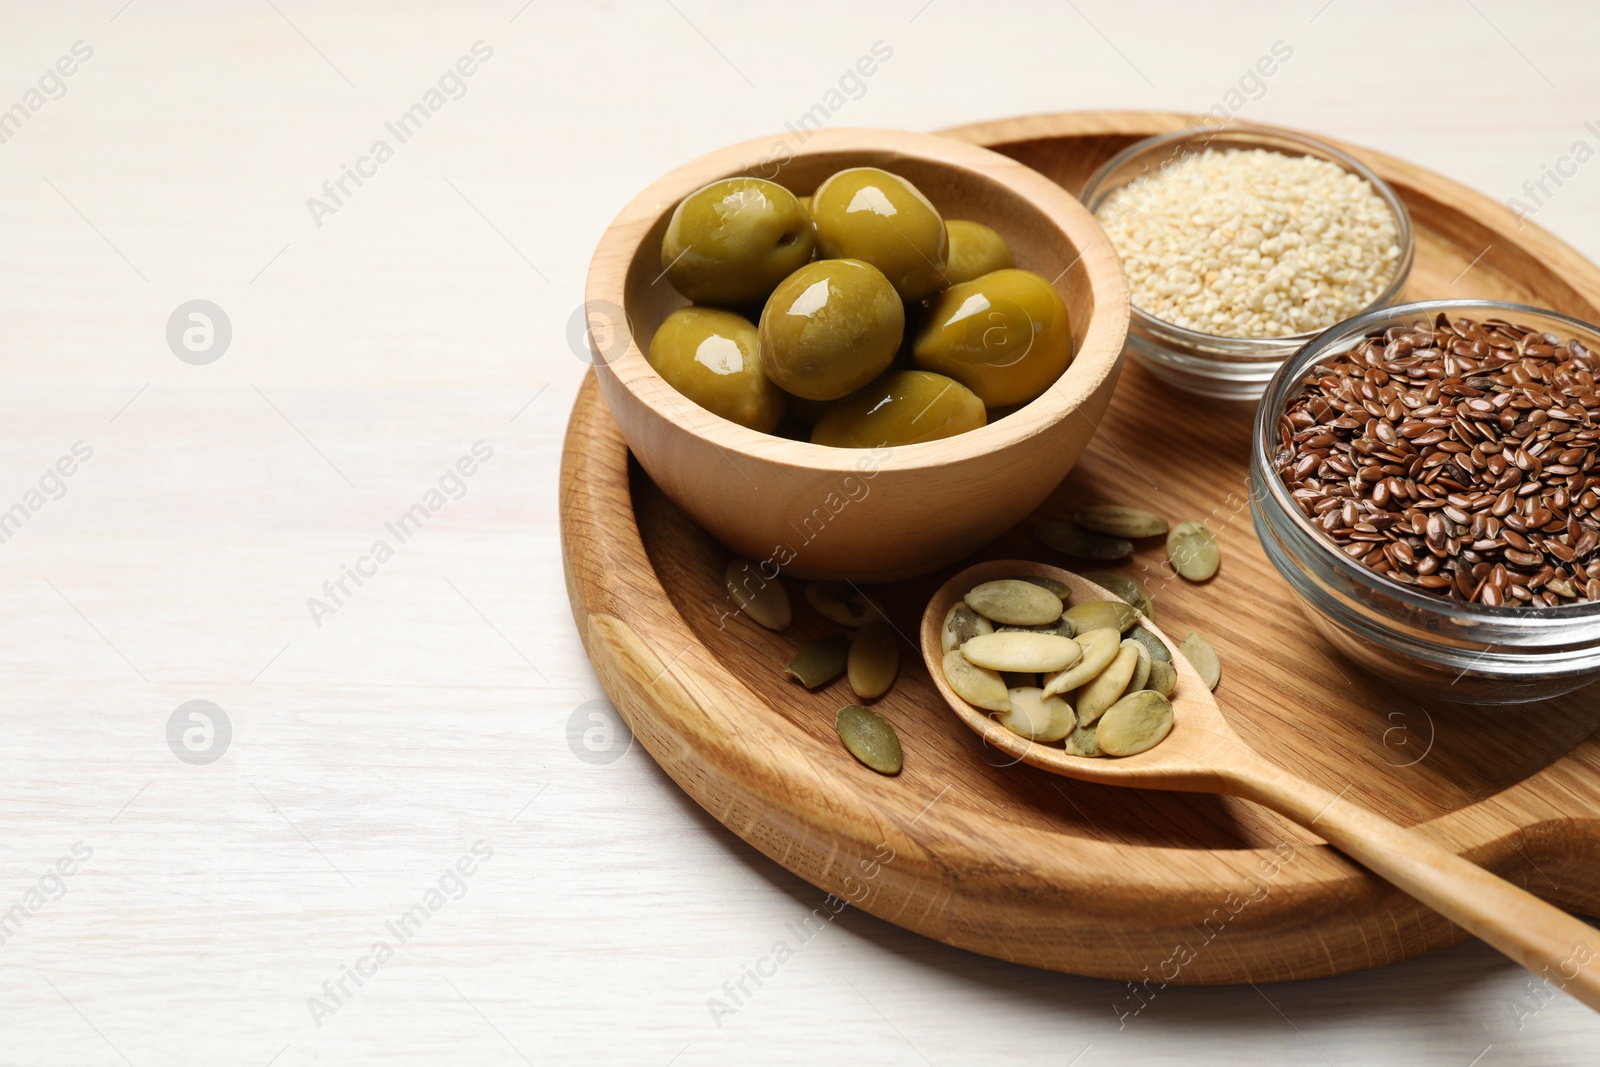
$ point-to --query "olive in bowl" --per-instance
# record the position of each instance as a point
(829, 328)
(711, 357)
(975, 250)
(1006, 336)
(875, 513)
(870, 214)
(732, 241)
(904, 407)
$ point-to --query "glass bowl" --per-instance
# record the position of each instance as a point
(1230, 368)
(1445, 649)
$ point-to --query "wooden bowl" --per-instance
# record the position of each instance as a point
(862, 514)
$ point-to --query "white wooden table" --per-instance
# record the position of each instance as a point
(383, 733)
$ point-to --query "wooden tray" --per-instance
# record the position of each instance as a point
(1018, 864)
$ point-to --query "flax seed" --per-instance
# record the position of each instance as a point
(1457, 458)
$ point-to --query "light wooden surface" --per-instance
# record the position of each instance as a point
(420, 718)
(878, 514)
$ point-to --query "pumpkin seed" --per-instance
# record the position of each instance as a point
(1163, 677)
(1115, 615)
(1119, 521)
(1158, 648)
(1193, 551)
(1099, 649)
(1062, 627)
(1017, 603)
(820, 663)
(1083, 742)
(874, 660)
(1136, 722)
(976, 685)
(1198, 651)
(1038, 717)
(763, 599)
(1017, 651)
(1107, 687)
(1141, 670)
(1123, 588)
(842, 603)
(1067, 538)
(962, 624)
(870, 738)
(1059, 588)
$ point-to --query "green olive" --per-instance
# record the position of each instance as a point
(711, 357)
(831, 327)
(975, 250)
(732, 241)
(872, 215)
(901, 408)
(1005, 336)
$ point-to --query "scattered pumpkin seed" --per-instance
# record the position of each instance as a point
(842, 603)
(962, 624)
(870, 738)
(1067, 538)
(1059, 588)
(1119, 521)
(1116, 615)
(1015, 602)
(874, 660)
(1083, 742)
(820, 663)
(1198, 651)
(1038, 717)
(1158, 648)
(1163, 677)
(1107, 687)
(763, 599)
(976, 685)
(1193, 551)
(1099, 649)
(1123, 588)
(1141, 669)
(1136, 722)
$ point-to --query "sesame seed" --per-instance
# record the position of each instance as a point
(1252, 243)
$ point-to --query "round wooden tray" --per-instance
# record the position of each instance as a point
(1018, 864)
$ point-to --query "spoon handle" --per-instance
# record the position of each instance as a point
(1560, 949)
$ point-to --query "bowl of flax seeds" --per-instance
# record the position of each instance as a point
(1427, 478)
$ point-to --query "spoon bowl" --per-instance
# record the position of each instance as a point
(1185, 761)
(1202, 754)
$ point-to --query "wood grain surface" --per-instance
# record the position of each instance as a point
(986, 851)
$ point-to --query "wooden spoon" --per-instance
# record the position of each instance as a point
(1202, 754)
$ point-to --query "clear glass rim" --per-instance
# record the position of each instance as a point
(1251, 349)
(1291, 375)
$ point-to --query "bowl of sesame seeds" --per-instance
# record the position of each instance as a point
(1426, 477)
(1241, 243)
